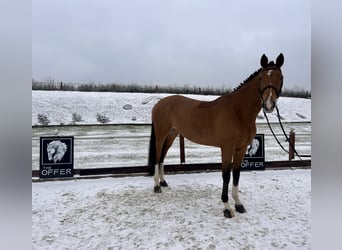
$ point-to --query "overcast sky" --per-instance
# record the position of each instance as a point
(178, 42)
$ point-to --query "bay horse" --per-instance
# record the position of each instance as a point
(227, 122)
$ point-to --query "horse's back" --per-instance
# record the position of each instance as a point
(177, 100)
(174, 105)
(187, 116)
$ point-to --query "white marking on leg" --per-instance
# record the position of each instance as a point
(156, 175)
(235, 194)
(227, 206)
(161, 173)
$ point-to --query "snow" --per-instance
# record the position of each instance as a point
(125, 213)
(59, 106)
(126, 145)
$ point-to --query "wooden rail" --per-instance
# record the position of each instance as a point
(175, 168)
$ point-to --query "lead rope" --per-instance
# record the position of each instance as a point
(281, 125)
(275, 137)
(287, 138)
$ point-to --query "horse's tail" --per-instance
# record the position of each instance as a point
(152, 152)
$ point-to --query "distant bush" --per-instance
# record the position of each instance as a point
(301, 93)
(76, 117)
(115, 87)
(102, 118)
(43, 120)
(52, 86)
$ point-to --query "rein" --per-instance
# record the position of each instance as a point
(282, 128)
(261, 92)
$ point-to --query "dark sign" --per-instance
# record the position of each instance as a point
(56, 157)
(255, 158)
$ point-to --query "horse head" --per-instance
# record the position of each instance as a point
(271, 82)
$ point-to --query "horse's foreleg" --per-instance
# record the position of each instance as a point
(235, 191)
(226, 169)
(238, 157)
(228, 211)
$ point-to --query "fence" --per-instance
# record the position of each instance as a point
(182, 167)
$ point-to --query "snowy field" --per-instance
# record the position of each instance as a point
(125, 213)
(119, 108)
(127, 145)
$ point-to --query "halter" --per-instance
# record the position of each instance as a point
(278, 92)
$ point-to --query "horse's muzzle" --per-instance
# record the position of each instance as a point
(268, 105)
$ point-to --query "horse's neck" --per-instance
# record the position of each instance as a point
(247, 100)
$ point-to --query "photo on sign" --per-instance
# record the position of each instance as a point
(255, 149)
(56, 151)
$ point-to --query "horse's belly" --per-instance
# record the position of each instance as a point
(202, 137)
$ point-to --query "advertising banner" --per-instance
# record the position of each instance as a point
(255, 155)
(56, 157)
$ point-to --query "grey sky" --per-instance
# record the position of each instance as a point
(178, 42)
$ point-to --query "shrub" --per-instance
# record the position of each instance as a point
(43, 120)
(102, 118)
(76, 117)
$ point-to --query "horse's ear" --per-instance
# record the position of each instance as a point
(264, 61)
(280, 60)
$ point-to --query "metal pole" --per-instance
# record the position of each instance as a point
(181, 148)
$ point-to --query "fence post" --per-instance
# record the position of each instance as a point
(181, 148)
(291, 142)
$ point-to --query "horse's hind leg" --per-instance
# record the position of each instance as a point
(157, 165)
(167, 144)
(161, 135)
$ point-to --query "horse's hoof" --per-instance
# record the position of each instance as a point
(240, 208)
(163, 184)
(227, 213)
(157, 189)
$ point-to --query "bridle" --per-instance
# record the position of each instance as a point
(278, 92)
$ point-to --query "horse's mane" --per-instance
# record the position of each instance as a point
(270, 64)
(247, 79)
(205, 104)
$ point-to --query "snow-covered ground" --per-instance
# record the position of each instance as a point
(110, 146)
(59, 106)
(125, 213)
